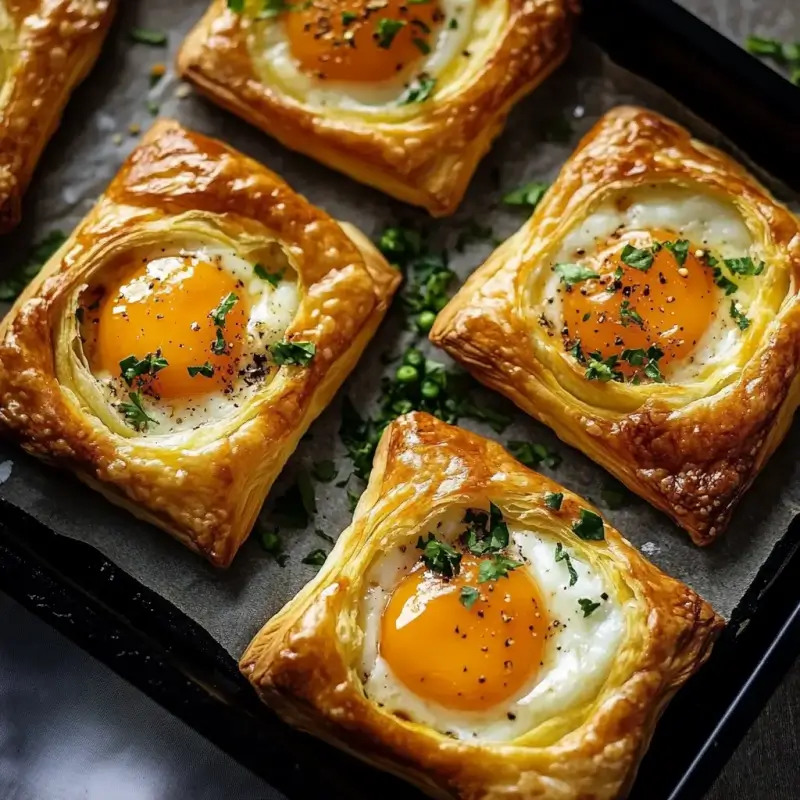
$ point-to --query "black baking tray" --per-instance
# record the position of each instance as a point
(168, 656)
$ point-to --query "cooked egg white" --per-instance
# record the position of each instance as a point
(577, 651)
(163, 302)
(682, 310)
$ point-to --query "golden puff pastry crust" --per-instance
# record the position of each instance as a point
(47, 47)
(423, 153)
(206, 484)
(304, 663)
(690, 447)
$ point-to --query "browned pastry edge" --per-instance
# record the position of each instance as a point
(427, 160)
(694, 462)
(303, 663)
(205, 494)
(58, 45)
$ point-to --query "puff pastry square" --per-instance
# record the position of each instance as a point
(47, 47)
(417, 134)
(676, 369)
(201, 213)
(357, 660)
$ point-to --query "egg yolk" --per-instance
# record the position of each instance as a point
(670, 305)
(361, 40)
(165, 307)
(464, 658)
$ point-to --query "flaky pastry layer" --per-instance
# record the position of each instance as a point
(422, 153)
(47, 47)
(204, 486)
(691, 450)
(304, 663)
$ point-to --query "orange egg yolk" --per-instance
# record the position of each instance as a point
(670, 305)
(165, 306)
(464, 658)
(361, 40)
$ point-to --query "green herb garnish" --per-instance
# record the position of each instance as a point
(134, 412)
(528, 195)
(132, 367)
(274, 278)
(386, 30)
(439, 556)
(563, 555)
(739, 317)
(316, 558)
(348, 17)
(481, 539)
(587, 606)
(206, 370)
(223, 309)
(589, 527)
(420, 89)
(533, 455)
(293, 353)
(149, 36)
(469, 595)
(554, 500)
(571, 274)
(637, 258)
(496, 567)
(679, 249)
(629, 315)
(744, 266)
(602, 370)
(272, 544)
(218, 346)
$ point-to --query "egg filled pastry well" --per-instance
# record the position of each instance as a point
(47, 47)
(648, 313)
(480, 631)
(403, 95)
(180, 343)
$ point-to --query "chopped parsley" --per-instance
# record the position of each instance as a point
(324, 471)
(293, 353)
(348, 17)
(496, 567)
(134, 412)
(439, 556)
(486, 534)
(628, 315)
(419, 90)
(206, 370)
(739, 317)
(602, 370)
(587, 606)
(386, 30)
(453, 24)
(316, 558)
(563, 555)
(528, 195)
(40, 254)
(218, 346)
(638, 357)
(237, 6)
(679, 249)
(534, 455)
(272, 544)
(223, 309)
(589, 527)
(637, 258)
(652, 371)
(744, 266)
(274, 278)
(132, 367)
(571, 274)
(468, 597)
(421, 45)
(149, 36)
(787, 55)
(554, 500)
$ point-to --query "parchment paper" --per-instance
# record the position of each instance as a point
(232, 605)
